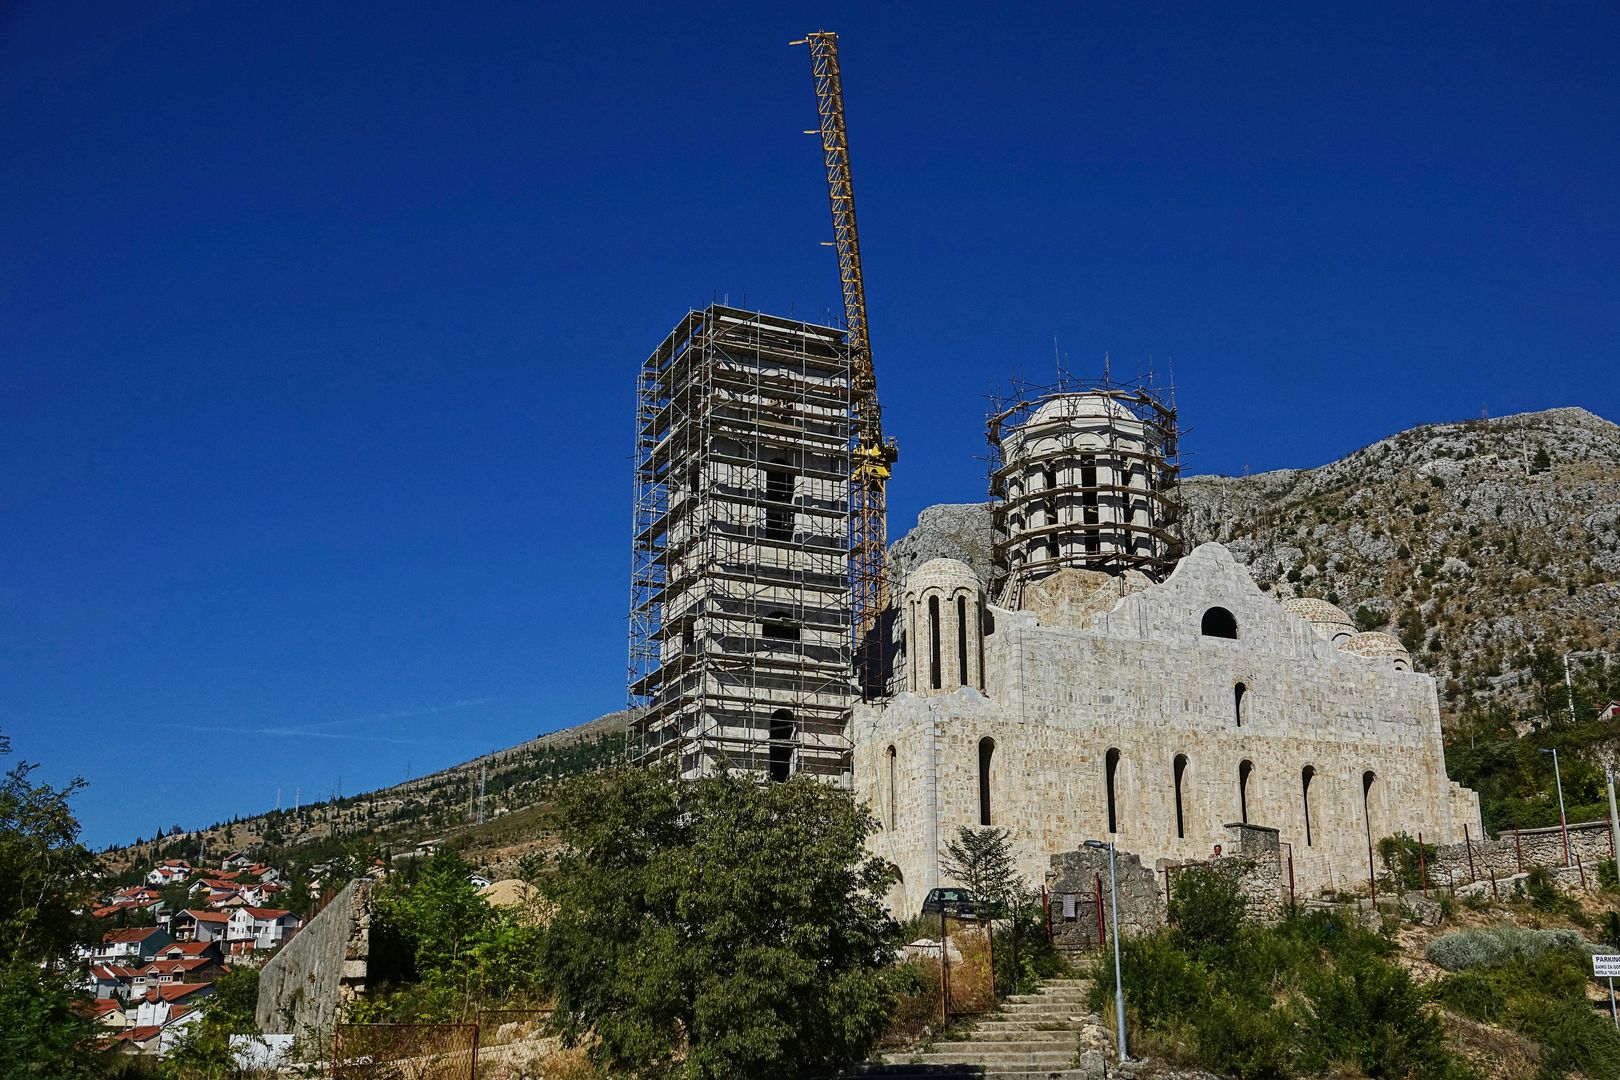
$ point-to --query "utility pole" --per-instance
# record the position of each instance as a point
(1614, 817)
(1563, 822)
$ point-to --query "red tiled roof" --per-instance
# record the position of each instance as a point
(205, 916)
(111, 971)
(174, 991)
(186, 948)
(266, 912)
(132, 933)
(105, 1005)
(139, 1034)
(169, 967)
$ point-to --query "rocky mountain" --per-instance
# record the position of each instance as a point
(1479, 543)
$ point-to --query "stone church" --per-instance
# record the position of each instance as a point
(1108, 686)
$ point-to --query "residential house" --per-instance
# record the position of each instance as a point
(157, 1005)
(265, 928)
(1611, 711)
(195, 969)
(110, 1013)
(131, 946)
(138, 1040)
(107, 982)
(186, 950)
(196, 925)
(236, 860)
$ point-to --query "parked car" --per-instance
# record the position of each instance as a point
(957, 903)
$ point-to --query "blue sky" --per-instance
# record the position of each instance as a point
(319, 323)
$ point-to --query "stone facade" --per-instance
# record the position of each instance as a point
(1154, 715)
(308, 982)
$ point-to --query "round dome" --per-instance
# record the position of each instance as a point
(1078, 407)
(1376, 645)
(944, 574)
(1330, 621)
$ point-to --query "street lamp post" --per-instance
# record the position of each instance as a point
(1119, 983)
(1563, 822)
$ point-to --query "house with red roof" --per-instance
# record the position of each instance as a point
(194, 925)
(107, 982)
(264, 927)
(186, 950)
(135, 944)
(158, 1004)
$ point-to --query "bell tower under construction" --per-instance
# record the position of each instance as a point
(741, 609)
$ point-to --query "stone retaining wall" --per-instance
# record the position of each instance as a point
(307, 983)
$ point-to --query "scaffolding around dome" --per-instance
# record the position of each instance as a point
(1083, 475)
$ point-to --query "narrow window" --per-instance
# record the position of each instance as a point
(987, 749)
(1180, 768)
(961, 640)
(1088, 502)
(781, 744)
(1218, 622)
(1367, 779)
(1238, 693)
(1110, 772)
(1049, 477)
(778, 504)
(933, 643)
(1245, 767)
(1305, 777)
(688, 639)
(984, 632)
(891, 756)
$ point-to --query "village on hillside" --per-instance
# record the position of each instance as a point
(173, 935)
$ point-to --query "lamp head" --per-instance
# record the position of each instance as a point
(1096, 844)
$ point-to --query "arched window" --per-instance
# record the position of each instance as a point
(1367, 779)
(779, 626)
(1245, 767)
(1218, 622)
(890, 755)
(933, 643)
(961, 640)
(1239, 693)
(1110, 775)
(1179, 767)
(781, 745)
(778, 504)
(1306, 775)
(985, 630)
(987, 750)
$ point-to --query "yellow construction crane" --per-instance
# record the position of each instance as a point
(872, 456)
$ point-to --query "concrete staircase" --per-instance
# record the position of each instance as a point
(1032, 1037)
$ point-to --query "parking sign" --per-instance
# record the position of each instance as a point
(1606, 965)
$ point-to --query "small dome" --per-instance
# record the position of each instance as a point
(944, 574)
(1328, 620)
(1376, 645)
(1078, 407)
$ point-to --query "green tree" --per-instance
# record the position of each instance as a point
(44, 876)
(718, 928)
(204, 1052)
(981, 860)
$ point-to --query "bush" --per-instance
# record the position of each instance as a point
(1207, 906)
(1399, 854)
(1367, 1011)
(1466, 950)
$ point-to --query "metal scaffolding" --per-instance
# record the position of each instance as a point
(1094, 482)
(740, 612)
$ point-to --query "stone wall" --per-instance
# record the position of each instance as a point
(1478, 859)
(1143, 682)
(1072, 884)
(307, 983)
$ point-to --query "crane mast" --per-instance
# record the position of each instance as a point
(872, 456)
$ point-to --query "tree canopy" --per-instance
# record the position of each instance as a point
(718, 928)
